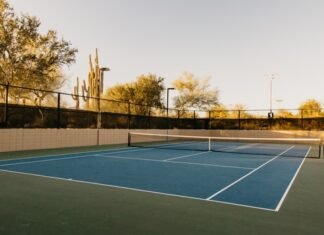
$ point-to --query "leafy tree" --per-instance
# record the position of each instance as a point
(243, 111)
(284, 113)
(28, 58)
(144, 93)
(220, 111)
(194, 92)
(238, 110)
(310, 108)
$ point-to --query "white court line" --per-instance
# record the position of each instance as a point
(65, 158)
(291, 182)
(62, 154)
(247, 146)
(135, 189)
(243, 177)
(174, 144)
(225, 149)
(176, 162)
(254, 146)
(243, 146)
(214, 165)
(105, 151)
(97, 153)
(129, 158)
(184, 156)
(43, 160)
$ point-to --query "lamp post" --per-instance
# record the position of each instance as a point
(168, 89)
(270, 114)
(99, 91)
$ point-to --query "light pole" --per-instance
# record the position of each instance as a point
(99, 91)
(270, 114)
(168, 89)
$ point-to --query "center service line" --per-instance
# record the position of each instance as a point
(184, 156)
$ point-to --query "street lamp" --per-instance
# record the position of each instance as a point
(99, 91)
(270, 114)
(168, 89)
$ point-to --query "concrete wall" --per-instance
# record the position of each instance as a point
(28, 139)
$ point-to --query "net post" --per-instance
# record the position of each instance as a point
(129, 139)
(209, 144)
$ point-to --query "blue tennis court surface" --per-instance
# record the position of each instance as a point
(252, 180)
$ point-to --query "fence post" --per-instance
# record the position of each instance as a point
(58, 124)
(178, 122)
(270, 119)
(195, 121)
(319, 119)
(302, 118)
(129, 116)
(209, 121)
(239, 119)
(6, 116)
(149, 118)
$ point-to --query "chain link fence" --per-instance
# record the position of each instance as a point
(22, 107)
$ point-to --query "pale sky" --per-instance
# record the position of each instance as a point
(235, 42)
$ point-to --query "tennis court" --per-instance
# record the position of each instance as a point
(256, 175)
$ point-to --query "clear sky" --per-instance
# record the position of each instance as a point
(235, 42)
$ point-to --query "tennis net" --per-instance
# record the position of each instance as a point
(298, 147)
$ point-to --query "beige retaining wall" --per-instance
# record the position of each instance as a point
(28, 139)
